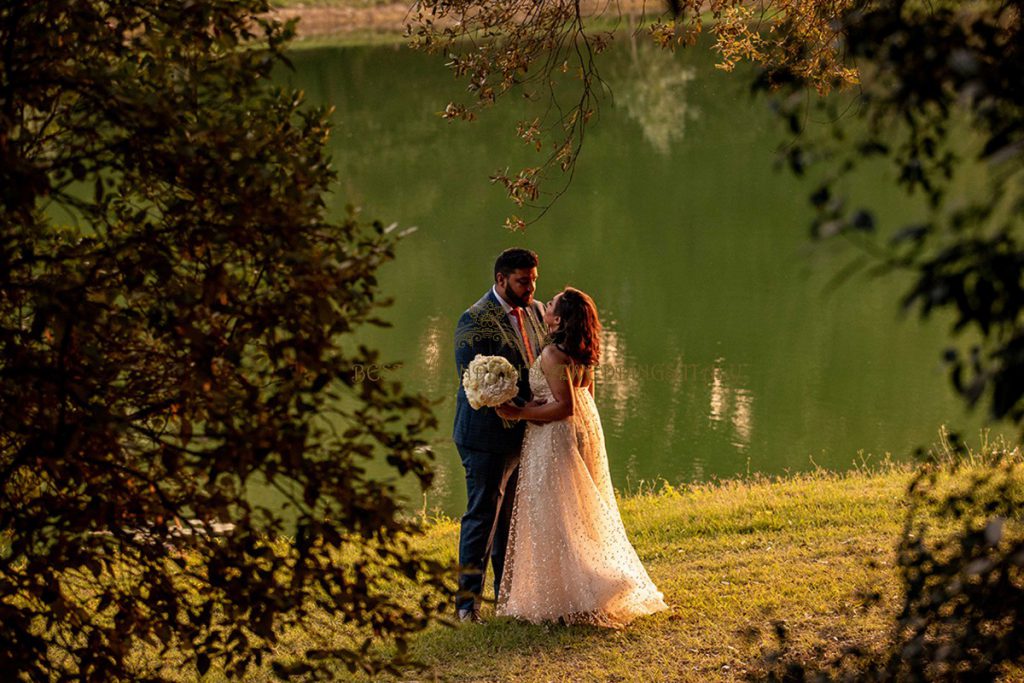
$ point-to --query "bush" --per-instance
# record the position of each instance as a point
(178, 324)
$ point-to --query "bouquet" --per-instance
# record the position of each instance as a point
(490, 381)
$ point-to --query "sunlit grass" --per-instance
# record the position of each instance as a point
(731, 558)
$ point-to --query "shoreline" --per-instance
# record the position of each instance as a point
(358, 22)
(346, 22)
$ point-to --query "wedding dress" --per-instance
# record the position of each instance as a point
(568, 555)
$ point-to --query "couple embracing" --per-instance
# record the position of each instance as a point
(540, 503)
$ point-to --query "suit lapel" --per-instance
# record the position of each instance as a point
(496, 316)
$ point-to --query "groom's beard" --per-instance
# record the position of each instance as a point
(517, 300)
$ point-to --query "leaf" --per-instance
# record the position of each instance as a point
(821, 196)
(291, 670)
(863, 220)
(202, 663)
(910, 233)
(320, 382)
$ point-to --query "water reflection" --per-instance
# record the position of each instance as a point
(675, 378)
(742, 419)
(730, 404)
(433, 377)
(438, 497)
(652, 89)
(719, 397)
(618, 387)
(430, 354)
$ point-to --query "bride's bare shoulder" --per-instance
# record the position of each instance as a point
(556, 362)
(553, 360)
(553, 354)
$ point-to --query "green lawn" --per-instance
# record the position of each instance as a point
(731, 558)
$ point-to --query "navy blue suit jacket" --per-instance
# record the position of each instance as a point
(484, 328)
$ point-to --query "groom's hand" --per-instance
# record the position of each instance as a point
(535, 402)
(509, 411)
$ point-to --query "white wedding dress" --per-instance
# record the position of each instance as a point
(568, 555)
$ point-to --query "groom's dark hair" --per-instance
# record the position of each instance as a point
(514, 259)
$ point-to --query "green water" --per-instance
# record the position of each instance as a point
(724, 352)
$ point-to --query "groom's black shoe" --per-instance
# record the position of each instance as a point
(470, 615)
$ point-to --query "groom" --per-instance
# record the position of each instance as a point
(507, 322)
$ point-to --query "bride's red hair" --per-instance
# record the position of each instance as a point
(579, 332)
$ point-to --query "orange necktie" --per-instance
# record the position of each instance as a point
(518, 313)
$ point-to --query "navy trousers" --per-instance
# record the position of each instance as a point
(483, 481)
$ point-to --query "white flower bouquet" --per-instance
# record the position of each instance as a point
(490, 381)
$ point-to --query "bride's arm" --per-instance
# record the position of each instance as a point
(562, 403)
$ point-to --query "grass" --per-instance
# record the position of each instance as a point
(732, 558)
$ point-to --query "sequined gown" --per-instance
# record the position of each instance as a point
(568, 555)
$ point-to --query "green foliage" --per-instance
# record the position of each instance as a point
(550, 53)
(177, 322)
(963, 612)
(940, 103)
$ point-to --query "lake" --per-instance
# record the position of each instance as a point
(727, 348)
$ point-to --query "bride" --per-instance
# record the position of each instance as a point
(568, 557)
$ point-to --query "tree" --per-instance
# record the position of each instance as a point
(541, 50)
(937, 95)
(940, 102)
(178, 337)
